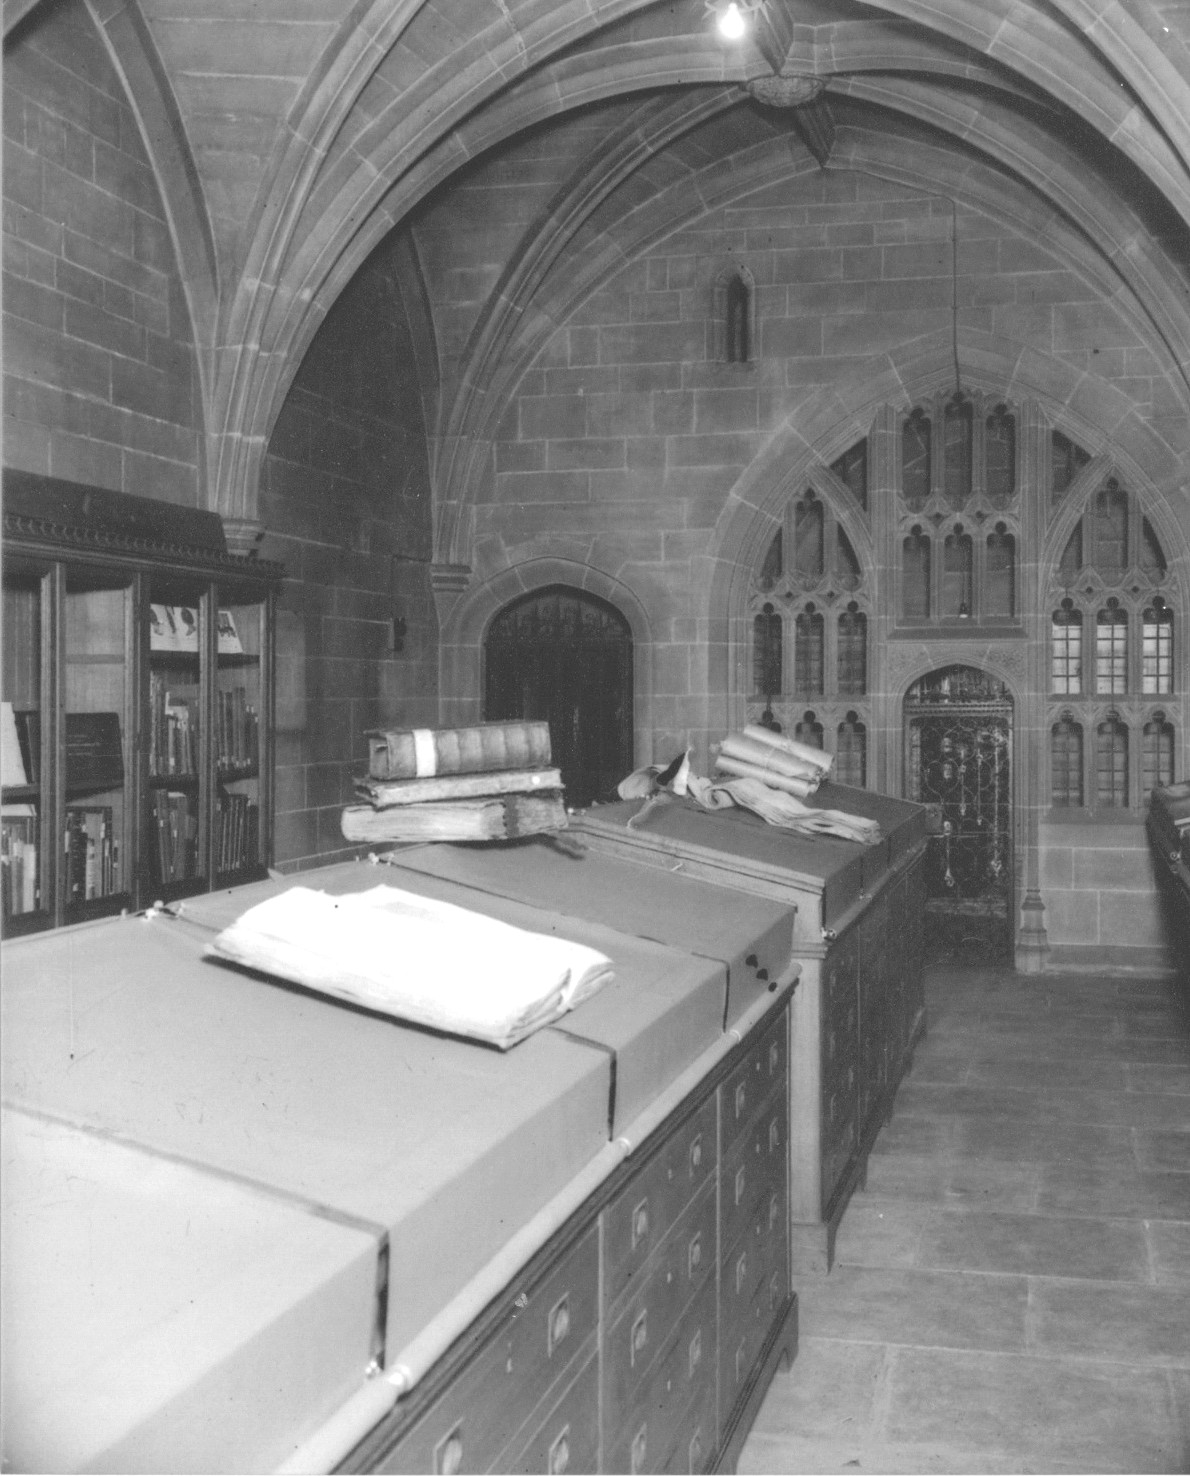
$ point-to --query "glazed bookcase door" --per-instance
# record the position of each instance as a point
(241, 723)
(27, 762)
(175, 835)
(97, 714)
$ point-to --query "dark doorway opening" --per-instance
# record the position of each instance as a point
(566, 656)
(958, 760)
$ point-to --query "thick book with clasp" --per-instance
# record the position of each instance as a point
(384, 793)
(423, 753)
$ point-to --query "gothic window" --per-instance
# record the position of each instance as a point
(958, 555)
(1066, 653)
(1066, 763)
(1111, 649)
(809, 653)
(809, 730)
(1156, 651)
(957, 432)
(915, 460)
(1000, 456)
(1110, 530)
(739, 347)
(1156, 754)
(915, 574)
(809, 613)
(851, 752)
(1111, 763)
(853, 652)
(999, 597)
(958, 564)
(766, 652)
(1112, 635)
(808, 542)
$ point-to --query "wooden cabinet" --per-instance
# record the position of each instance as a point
(137, 691)
(645, 1333)
(859, 1008)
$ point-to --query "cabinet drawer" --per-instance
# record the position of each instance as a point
(643, 1437)
(754, 1287)
(567, 1439)
(696, 1441)
(765, 1065)
(642, 1214)
(755, 1170)
(641, 1328)
(476, 1417)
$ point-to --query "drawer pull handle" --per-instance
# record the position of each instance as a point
(751, 960)
(640, 1448)
(774, 1289)
(559, 1323)
(774, 1211)
(640, 1335)
(696, 1154)
(774, 1135)
(741, 1354)
(741, 1272)
(695, 1351)
(740, 1178)
(559, 1456)
(448, 1453)
(774, 1058)
(741, 1098)
(695, 1451)
(694, 1254)
(640, 1223)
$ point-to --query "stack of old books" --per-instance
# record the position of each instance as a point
(492, 781)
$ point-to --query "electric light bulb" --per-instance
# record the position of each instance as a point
(731, 23)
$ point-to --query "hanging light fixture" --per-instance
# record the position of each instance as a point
(735, 18)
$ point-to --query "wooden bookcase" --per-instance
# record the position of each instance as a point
(138, 704)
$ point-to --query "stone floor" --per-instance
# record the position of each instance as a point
(1012, 1290)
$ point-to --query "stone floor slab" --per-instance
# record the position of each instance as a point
(1096, 1320)
(1036, 1245)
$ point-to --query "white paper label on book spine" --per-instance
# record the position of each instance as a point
(425, 755)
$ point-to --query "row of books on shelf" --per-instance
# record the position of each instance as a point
(92, 853)
(91, 857)
(235, 842)
(174, 730)
(20, 879)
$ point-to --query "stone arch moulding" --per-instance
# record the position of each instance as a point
(466, 625)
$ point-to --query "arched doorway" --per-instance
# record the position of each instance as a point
(958, 760)
(566, 656)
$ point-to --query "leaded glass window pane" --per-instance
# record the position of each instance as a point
(957, 431)
(808, 527)
(1001, 456)
(1111, 764)
(915, 459)
(999, 597)
(1066, 763)
(851, 752)
(809, 730)
(1156, 650)
(1157, 755)
(766, 652)
(853, 653)
(1111, 530)
(809, 653)
(1111, 650)
(957, 564)
(1066, 654)
(915, 570)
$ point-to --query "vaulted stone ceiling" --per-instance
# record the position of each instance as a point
(291, 136)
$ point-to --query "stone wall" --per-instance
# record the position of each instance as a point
(345, 501)
(99, 368)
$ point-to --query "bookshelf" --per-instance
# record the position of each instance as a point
(137, 705)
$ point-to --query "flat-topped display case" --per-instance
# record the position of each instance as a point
(859, 1009)
(137, 704)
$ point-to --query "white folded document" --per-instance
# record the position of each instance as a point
(424, 961)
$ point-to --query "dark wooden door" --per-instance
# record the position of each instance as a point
(566, 656)
(958, 729)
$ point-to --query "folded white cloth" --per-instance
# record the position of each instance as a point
(421, 960)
